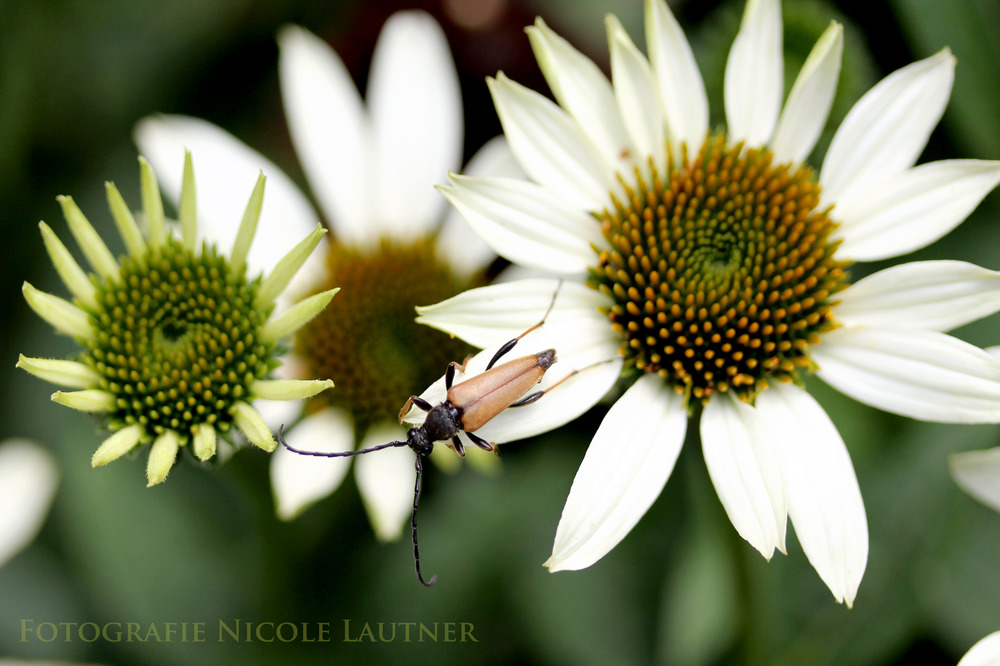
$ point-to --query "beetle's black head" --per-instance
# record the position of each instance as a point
(416, 439)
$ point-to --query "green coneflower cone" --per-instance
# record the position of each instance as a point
(722, 272)
(177, 340)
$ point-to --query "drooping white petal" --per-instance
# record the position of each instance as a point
(824, 500)
(933, 295)
(745, 474)
(416, 111)
(978, 473)
(809, 102)
(117, 445)
(550, 146)
(457, 244)
(681, 88)
(330, 131)
(522, 222)
(755, 74)
(984, 653)
(298, 481)
(888, 127)
(226, 171)
(581, 88)
(28, 480)
(922, 374)
(911, 209)
(385, 481)
(636, 95)
(625, 468)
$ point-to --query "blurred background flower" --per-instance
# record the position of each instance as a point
(74, 80)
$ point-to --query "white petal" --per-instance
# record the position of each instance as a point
(299, 481)
(581, 88)
(385, 480)
(911, 209)
(984, 653)
(888, 127)
(225, 173)
(330, 131)
(745, 473)
(28, 480)
(550, 146)
(636, 95)
(416, 111)
(809, 102)
(682, 90)
(463, 249)
(524, 223)
(933, 295)
(824, 500)
(978, 473)
(623, 472)
(925, 375)
(755, 75)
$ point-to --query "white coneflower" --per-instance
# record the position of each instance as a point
(372, 165)
(718, 263)
(28, 481)
(177, 339)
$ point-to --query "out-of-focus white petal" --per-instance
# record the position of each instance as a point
(755, 75)
(922, 374)
(978, 473)
(824, 500)
(416, 111)
(385, 480)
(888, 127)
(623, 472)
(522, 222)
(551, 147)
(28, 480)
(911, 209)
(330, 131)
(745, 474)
(984, 653)
(933, 295)
(681, 88)
(298, 481)
(809, 102)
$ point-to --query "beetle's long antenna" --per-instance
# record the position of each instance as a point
(507, 346)
(413, 524)
(345, 454)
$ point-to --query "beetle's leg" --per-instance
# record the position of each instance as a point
(482, 443)
(414, 400)
(533, 397)
(449, 374)
(507, 346)
(457, 446)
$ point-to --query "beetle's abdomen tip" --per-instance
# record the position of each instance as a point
(547, 358)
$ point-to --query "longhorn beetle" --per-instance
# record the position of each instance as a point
(468, 406)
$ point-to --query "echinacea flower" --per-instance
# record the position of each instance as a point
(177, 339)
(28, 480)
(372, 165)
(717, 266)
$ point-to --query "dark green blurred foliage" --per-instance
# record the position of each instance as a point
(205, 546)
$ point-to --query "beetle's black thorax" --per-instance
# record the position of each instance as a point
(442, 422)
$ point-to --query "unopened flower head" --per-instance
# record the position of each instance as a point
(716, 263)
(177, 339)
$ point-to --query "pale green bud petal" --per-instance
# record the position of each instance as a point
(286, 269)
(60, 314)
(296, 316)
(129, 230)
(58, 371)
(70, 273)
(87, 238)
(88, 400)
(248, 228)
(152, 204)
(188, 210)
(252, 424)
(117, 445)
(204, 441)
(289, 389)
(161, 457)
